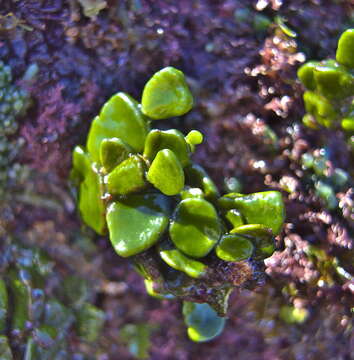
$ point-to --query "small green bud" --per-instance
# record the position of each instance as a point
(348, 124)
(193, 138)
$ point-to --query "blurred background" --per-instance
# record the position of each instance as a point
(71, 296)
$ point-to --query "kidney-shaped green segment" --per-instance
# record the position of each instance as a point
(137, 222)
(319, 107)
(334, 82)
(166, 95)
(306, 74)
(234, 247)
(266, 208)
(197, 177)
(166, 173)
(127, 177)
(112, 152)
(260, 236)
(345, 49)
(170, 139)
(91, 205)
(120, 117)
(195, 228)
(177, 260)
(202, 321)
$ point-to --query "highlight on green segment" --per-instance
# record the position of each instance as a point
(329, 87)
(166, 95)
(163, 211)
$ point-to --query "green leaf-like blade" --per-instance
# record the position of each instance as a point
(136, 223)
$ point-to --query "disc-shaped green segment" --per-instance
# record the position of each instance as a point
(121, 118)
(166, 173)
(261, 237)
(334, 82)
(306, 74)
(345, 49)
(137, 223)
(320, 108)
(127, 177)
(170, 139)
(196, 176)
(177, 260)
(112, 152)
(234, 247)
(195, 228)
(234, 217)
(166, 94)
(202, 321)
(91, 205)
(266, 208)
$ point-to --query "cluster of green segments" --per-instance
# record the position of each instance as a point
(329, 99)
(142, 187)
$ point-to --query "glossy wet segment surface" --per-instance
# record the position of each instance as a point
(174, 140)
(166, 173)
(195, 228)
(137, 222)
(166, 95)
